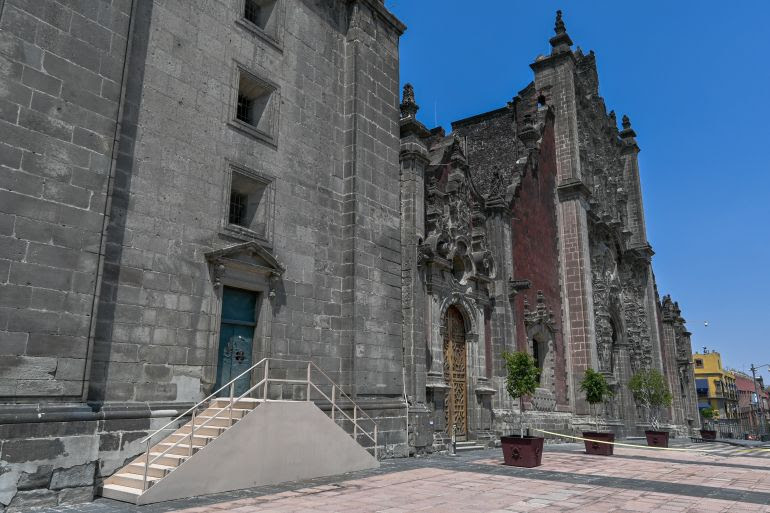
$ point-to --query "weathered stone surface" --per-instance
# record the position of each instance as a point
(41, 449)
(80, 475)
(76, 495)
(24, 501)
(40, 478)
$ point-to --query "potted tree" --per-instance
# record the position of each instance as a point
(596, 389)
(651, 393)
(522, 379)
(708, 414)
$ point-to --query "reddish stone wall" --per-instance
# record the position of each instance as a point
(535, 250)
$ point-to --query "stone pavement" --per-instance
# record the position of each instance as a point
(724, 479)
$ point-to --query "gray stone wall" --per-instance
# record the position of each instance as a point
(329, 157)
(60, 83)
(331, 163)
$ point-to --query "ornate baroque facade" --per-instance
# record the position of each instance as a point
(190, 187)
(525, 226)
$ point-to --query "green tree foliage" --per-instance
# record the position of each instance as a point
(596, 389)
(651, 392)
(522, 379)
(708, 414)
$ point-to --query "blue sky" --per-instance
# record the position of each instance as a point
(694, 77)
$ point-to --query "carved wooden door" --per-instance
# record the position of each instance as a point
(455, 375)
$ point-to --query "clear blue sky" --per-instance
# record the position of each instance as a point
(694, 77)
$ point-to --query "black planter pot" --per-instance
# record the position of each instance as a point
(595, 447)
(708, 434)
(657, 438)
(526, 451)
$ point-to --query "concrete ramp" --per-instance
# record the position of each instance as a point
(277, 442)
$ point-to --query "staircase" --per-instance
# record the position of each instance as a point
(232, 442)
(468, 446)
(132, 480)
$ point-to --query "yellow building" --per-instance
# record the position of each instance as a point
(715, 386)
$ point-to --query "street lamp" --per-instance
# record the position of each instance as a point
(759, 398)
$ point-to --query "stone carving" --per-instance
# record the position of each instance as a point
(543, 400)
(408, 105)
(540, 315)
(634, 283)
(606, 293)
(455, 218)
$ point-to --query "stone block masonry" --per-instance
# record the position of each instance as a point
(108, 302)
(60, 76)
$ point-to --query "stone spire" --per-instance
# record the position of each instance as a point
(627, 132)
(408, 105)
(561, 42)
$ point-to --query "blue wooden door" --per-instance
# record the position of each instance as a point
(236, 335)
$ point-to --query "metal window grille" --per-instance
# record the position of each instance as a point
(245, 108)
(251, 11)
(237, 213)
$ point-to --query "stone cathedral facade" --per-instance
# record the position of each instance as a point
(189, 187)
(523, 229)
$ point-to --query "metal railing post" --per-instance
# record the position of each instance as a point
(192, 433)
(146, 466)
(334, 399)
(355, 423)
(267, 363)
(375, 441)
(232, 394)
(308, 381)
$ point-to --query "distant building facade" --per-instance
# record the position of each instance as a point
(189, 187)
(716, 386)
(753, 402)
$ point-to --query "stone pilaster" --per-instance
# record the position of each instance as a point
(555, 85)
(413, 159)
(371, 210)
(635, 212)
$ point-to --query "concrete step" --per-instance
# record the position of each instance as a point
(120, 493)
(183, 449)
(155, 470)
(169, 460)
(133, 481)
(198, 438)
(245, 403)
(220, 421)
(469, 446)
(224, 412)
(212, 431)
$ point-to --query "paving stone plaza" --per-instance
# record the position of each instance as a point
(714, 478)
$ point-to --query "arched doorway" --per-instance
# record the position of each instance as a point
(456, 374)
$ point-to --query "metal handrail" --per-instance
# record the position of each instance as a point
(216, 415)
(266, 380)
(203, 400)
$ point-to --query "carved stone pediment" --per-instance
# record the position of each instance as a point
(541, 313)
(456, 237)
(248, 264)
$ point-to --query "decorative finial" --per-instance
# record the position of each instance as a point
(457, 153)
(408, 106)
(561, 42)
(627, 133)
(559, 27)
(613, 118)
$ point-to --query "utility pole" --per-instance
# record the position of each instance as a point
(759, 398)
